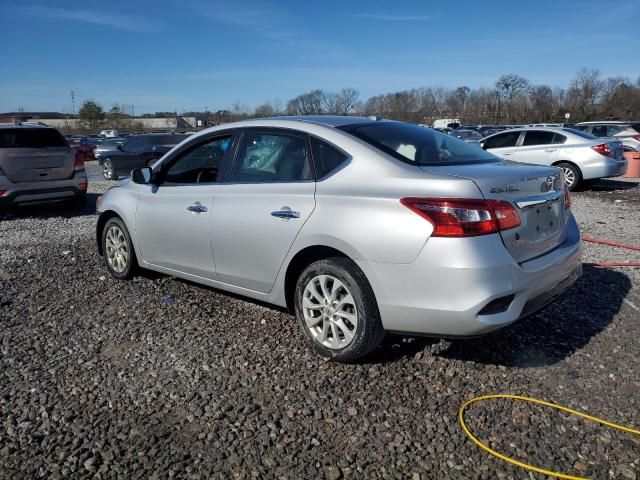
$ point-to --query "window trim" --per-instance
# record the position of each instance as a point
(158, 176)
(273, 131)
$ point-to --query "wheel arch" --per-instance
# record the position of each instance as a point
(102, 221)
(302, 260)
(573, 164)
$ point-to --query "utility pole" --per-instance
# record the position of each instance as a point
(73, 102)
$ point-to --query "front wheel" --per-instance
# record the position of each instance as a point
(572, 176)
(337, 311)
(107, 169)
(118, 249)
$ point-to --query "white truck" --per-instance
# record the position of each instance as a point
(446, 123)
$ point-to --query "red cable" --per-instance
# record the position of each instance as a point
(613, 244)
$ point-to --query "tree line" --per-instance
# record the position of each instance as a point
(513, 99)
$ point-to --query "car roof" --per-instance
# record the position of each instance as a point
(612, 122)
(561, 130)
(329, 120)
(19, 125)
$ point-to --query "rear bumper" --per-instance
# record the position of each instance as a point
(41, 192)
(603, 168)
(444, 290)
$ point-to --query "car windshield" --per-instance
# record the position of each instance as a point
(31, 138)
(580, 133)
(419, 146)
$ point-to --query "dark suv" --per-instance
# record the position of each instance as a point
(38, 165)
(627, 132)
(138, 151)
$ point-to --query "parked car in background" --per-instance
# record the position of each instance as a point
(38, 165)
(557, 125)
(108, 146)
(109, 133)
(137, 151)
(469, 136)
(82, 144)
(357, 226)
(451, 123)
(627, 132)
(580, 156)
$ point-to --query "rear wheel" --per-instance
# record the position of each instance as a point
(118, 249)
(572, 176)
(107, 169)
(337, 311)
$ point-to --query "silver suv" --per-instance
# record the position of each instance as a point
(627, 132)
(38, 165)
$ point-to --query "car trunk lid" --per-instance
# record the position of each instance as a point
(537, 193)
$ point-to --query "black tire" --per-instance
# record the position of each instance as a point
(107, 169)
(575, 171)
(368, 331)
(131, 263)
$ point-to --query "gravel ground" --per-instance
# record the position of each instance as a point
(160, 378)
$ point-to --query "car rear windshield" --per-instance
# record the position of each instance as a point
(418, 145)
(31, 138)
(580, 133)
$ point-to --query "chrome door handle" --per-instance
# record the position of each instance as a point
(285, 212)
(197, 208)
(550, 150)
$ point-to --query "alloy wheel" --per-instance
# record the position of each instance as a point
(329, 311)
(569, 176)
(117, 249)
(107, 169)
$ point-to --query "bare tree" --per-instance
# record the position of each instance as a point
(584, 91)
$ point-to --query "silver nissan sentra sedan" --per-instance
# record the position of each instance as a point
(356, 225)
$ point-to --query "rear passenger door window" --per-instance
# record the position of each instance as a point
(599, 130)
(537, 137)
(268, 157)
(502, 140)
(326, 158)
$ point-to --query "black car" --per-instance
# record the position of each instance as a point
(138, 151)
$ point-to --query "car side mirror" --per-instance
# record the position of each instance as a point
(141, 176)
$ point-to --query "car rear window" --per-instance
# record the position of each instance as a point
(636, 127)
(31, 138)
(418, 145)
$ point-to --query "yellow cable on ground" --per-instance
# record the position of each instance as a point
(539, 402)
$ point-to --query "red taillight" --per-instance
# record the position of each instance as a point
(460, 217)
(2, 192)
(82, 186)
(603, 149)
(636, 137)
(79, 164)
